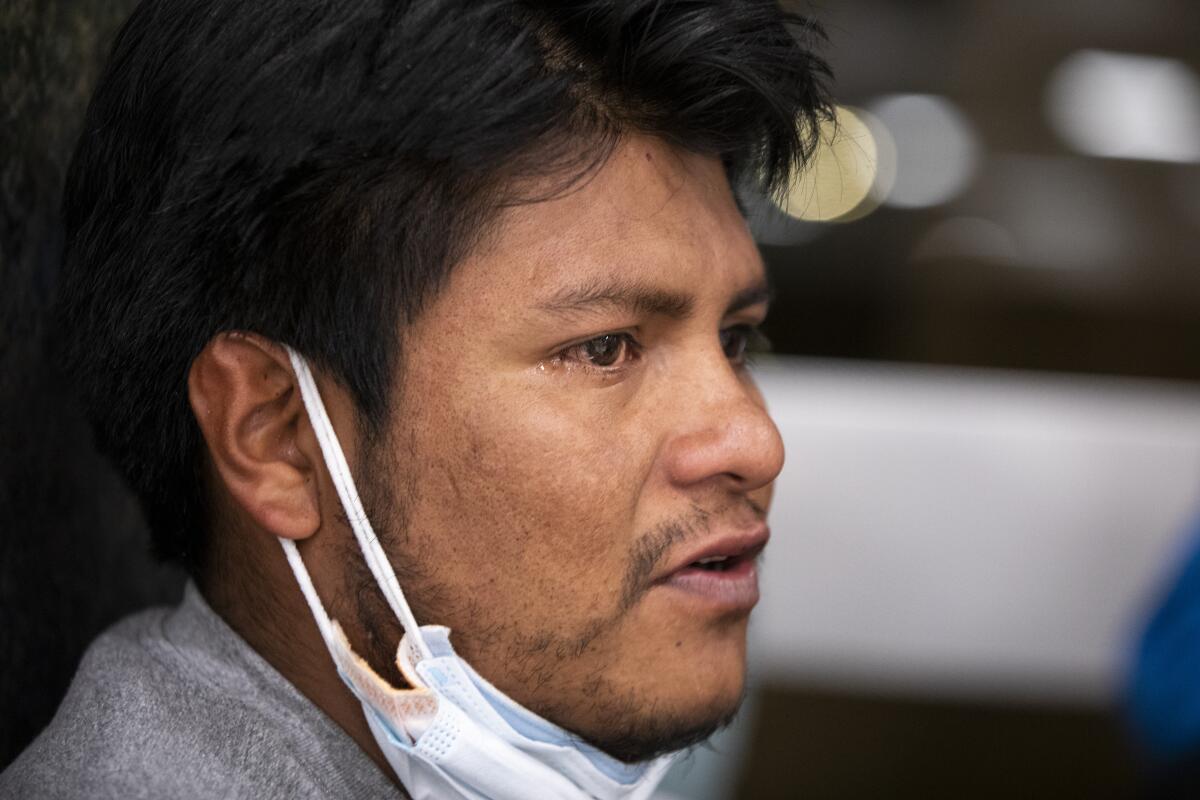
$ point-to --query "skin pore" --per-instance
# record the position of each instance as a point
(572, 418)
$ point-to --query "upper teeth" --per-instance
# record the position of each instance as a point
(711, 559)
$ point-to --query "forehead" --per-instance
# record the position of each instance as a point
(650, 213)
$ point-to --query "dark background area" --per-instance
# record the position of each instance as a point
(838, 744)
(863, 290)
(72, 544)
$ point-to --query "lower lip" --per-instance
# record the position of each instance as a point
(732, 589)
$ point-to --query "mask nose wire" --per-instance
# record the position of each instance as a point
(343, 481)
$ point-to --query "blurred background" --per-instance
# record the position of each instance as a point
(988, 352)
(986, 372)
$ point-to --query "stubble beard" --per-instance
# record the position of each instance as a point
(623, 722)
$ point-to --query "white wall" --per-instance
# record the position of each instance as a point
(953, 530)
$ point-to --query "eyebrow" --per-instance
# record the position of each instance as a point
(642, 299)
(620, 296)
(751, 296)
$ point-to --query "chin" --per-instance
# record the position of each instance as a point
(701, 672)
(645, 735)
(679, 697)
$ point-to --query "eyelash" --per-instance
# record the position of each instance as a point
(574, 355)
(754, 342)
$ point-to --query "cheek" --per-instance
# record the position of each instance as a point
(529, 501)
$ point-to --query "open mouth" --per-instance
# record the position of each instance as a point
(729, 557)
(716, 563)
(725, 580)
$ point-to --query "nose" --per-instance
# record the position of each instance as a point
(724, 433)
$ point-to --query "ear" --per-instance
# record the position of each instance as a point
(244, 395)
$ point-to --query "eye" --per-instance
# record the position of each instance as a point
(740, 341)
(604, 352)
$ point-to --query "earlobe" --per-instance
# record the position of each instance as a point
(246, 402)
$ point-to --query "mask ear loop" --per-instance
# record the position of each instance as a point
(310, 593)
(343, 481)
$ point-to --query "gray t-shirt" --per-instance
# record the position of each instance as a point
(171, 703)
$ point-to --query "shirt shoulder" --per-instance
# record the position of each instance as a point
(173, 704)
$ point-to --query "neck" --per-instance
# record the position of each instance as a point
(267, 609)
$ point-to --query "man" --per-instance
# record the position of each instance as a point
(453, 300)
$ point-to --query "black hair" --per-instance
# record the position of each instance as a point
(310, 170)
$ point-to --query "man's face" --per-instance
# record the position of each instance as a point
(575, 426)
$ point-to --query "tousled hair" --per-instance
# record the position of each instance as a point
(310, 170)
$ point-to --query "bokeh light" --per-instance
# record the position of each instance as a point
(936, 149)
(974, 238)
(836, 184)
(1118, 105)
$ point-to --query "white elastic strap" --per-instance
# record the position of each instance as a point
(310, 593)
(343, 481)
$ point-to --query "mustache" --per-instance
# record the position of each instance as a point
(648, 552)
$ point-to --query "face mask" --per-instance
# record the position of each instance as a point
(453, 734)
